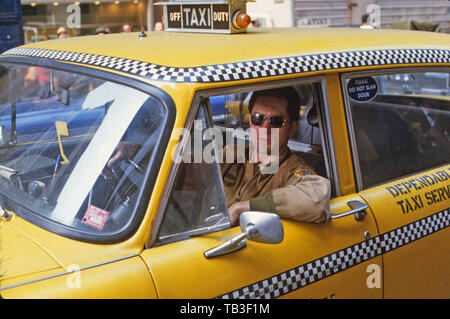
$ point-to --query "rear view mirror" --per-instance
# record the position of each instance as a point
(64, 96)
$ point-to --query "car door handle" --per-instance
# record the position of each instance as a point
(358, 209)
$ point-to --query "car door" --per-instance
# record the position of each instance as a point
(336, 259)
(401, 149)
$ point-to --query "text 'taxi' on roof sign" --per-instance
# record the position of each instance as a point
(206, 16)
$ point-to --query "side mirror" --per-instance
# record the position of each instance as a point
(256, 226)
(262, 227)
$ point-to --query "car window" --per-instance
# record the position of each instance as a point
(59, 134)
(230, 111)
(196, 202)
(400, 122)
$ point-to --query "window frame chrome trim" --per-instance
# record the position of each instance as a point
(349, 119)
(196, 102)
(68, 272)
(329, 152)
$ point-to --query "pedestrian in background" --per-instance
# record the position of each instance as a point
(102, 30)
(126, 28)
(61, 33)
(364, 24)
(158, 26)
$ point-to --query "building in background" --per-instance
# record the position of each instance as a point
(44, 17)
(348, 13)
(11, 28)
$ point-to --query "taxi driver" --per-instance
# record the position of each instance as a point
(294, 191)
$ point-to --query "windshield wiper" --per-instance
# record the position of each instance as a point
(8, 173)
(8, 170)
(11, 175)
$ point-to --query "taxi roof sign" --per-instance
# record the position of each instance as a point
(206, 16)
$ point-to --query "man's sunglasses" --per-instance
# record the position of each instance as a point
(275, 121)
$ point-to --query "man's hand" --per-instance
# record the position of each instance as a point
(123, 150)
(235, 210)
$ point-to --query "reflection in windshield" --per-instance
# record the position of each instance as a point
(57, 132)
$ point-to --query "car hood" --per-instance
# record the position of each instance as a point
(16, 265)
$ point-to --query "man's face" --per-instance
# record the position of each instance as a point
(270, 106)
(158, 26)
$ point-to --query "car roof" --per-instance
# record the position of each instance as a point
(200, 49)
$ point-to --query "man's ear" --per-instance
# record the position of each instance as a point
(293, 129)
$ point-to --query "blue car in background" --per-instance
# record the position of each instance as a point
(34, 122)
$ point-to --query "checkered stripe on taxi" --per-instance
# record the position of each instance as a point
(245, 70)
(329, 265)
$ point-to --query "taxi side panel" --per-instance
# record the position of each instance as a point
(417, 266)
(127, 278)
(181, 266)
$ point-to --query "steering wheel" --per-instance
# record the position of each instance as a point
(125, 180)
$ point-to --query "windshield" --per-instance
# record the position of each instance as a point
(73, 148)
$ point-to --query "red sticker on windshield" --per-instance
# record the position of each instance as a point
(95, 217)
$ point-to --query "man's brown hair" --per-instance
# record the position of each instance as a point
(287, 93)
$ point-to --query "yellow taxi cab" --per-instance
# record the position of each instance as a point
(76, 225)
